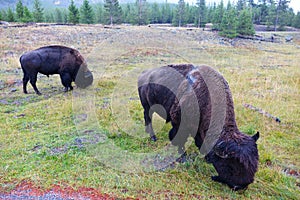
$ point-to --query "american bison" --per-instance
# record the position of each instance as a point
(192, 98)
(48, 60)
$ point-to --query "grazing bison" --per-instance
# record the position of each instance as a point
(48, 60)
(192, 98)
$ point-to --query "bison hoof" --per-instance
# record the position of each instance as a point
(182, 158)
(153, 138)
(38, 93)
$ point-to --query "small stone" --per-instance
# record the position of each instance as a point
(13, 89)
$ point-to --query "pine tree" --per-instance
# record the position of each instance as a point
(113, 11)
(245, 25)
(218, 16)
(201, 13)
(228, 27)
(4, 15)
(65, 16)
(262, 12)
(86, 13)
(155, 16)
(128, 14)
(73, 16)
(49, 18)
(241, 5)
(10, 15)
(27, 15)
(19, 10)
(190, 13)
(99, 14)
(271, 16)
(58, 16)
(211, 13)
(296, 20)
(180, 13)
(141, 12)
(281, 10)
(38, 14)
(166, 13)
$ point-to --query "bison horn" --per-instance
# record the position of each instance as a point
(219, 150)
(256, 136)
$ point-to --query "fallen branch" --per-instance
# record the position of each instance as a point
(261, 111)
(260, 38)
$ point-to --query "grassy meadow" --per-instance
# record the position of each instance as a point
(95, 138)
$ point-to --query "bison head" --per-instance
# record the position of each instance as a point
(83, 78)
(235, 159)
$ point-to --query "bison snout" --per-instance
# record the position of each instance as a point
(84, 79)
(88, 74)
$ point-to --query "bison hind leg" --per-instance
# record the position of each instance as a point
(25, 81)
(33, 78)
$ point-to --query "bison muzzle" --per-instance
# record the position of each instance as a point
(188, 99)
(49, 60)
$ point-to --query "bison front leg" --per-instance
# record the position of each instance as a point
(66, 80)
(179, 140)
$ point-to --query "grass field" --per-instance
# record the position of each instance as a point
(95, 138)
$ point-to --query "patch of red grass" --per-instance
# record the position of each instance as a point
(30, 190)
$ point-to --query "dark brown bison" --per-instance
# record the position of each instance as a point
(198, 103)
(48, 60)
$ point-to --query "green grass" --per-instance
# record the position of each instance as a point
(96, 138)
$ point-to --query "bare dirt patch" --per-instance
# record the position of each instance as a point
(26, 190)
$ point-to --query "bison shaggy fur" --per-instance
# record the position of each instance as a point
(233, 154)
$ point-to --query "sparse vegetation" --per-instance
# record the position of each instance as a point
(95, 138)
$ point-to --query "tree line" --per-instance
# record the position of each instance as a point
(231, 19)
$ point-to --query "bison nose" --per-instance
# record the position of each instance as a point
(207, 158)
(239, 187)
(87, 74)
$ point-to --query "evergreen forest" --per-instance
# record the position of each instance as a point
(230, 19)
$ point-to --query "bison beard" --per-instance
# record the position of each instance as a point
(49, 60)
(234, 154)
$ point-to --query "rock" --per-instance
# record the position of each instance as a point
(288, 38)
(4, 23)
(13, 90)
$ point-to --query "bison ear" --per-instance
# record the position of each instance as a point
(256, 136)
(71, 51)
(220, 150)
